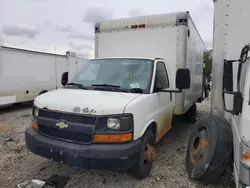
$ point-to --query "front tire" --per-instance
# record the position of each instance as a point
(143, 167)
(209, 149)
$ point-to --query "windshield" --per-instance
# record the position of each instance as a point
(125, 73)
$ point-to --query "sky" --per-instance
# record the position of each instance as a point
(67, 25)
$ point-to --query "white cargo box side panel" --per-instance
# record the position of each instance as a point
(220, 26)
(194, 62)
(158, 42)
(24, 74)
(238, 30)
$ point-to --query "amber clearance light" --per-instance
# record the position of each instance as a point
(113, 138)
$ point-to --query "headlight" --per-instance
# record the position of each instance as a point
(114, 123)
(245, 155)
(35, 112)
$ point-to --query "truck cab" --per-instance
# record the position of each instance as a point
(109, 115)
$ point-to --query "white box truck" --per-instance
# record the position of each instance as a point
(24, 74)
(122, 102)
(222, 139)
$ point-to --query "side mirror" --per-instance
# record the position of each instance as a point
(235, 106)
(64, 79)
(228, 76)
(182, 80)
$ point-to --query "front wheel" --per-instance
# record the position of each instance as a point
(143, 167)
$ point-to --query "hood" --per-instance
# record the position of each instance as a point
(85, 101)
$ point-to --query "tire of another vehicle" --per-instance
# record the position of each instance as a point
(203, 95)
(206, 92)
(143, 167)
(209, 150)
(191, 114)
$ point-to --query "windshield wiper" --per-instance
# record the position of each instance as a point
(118, 88)
(106, 85)
(110, 86)
(76, 85)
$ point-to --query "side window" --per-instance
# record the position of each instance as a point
(161, 76)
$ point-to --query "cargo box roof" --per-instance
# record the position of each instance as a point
(170, 19)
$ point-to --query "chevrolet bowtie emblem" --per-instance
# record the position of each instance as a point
(62, 125)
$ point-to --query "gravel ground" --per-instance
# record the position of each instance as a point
(18, 165)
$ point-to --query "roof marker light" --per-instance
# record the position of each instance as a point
(134, 26)
(142, 26)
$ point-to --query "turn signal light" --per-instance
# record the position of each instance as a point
(113, 138)
(34, 125)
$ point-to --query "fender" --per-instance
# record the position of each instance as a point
(146, 127)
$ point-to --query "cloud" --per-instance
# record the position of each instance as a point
(203, 19)
(66, 28)
(47, 23)
(135, 12)
(81, 36)
(95, 14)
(11, 30)
(209, 43)
(77, 47)
(40, 0)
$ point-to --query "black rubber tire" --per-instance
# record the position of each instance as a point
(191, 114)
(203, 95)
(206, 92)
(219, 150)
(140, 170)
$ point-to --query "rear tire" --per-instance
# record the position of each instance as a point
(143, 167)
(209, 149)
(191, 114)
(206, 92)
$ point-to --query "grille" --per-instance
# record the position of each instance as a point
(65, 135)
(68, 117)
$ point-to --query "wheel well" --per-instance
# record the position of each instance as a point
(42, 92)
(153, 127)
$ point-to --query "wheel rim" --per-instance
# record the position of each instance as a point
(199, 146)
(149, 154)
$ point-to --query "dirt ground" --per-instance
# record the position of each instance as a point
(18, 165)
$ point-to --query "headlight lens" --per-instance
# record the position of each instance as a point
(35, 112)
(114, 123)
(245, 155)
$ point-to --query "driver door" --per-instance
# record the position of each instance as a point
(164, 100)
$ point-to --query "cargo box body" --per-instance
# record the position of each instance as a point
(24, 73)
(172, 37)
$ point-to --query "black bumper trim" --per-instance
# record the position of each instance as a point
(94, 156)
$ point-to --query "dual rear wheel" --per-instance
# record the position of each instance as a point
(209, 150)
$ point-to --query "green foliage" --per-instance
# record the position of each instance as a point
(208, 61)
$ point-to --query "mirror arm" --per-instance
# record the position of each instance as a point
(229, 92)
(231, 61)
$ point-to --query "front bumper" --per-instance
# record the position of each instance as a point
(94, 156)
